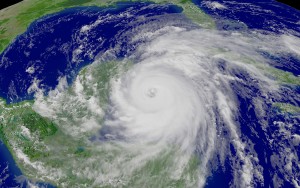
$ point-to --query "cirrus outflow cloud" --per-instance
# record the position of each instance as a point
(177, 96)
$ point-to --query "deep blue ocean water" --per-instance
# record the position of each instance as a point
(7, 162)
(263, 15)
(267, 15)
(49, 42)
(271, 17)
(47, 45)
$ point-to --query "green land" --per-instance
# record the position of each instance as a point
(15, 20)
(35, 140)
(38, 142)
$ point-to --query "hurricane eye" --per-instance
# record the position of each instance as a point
(152, 92)
(160, 93)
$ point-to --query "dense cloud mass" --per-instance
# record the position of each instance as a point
(181, 96)
(167, 103)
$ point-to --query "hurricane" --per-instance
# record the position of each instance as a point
(177, 101)
(168, 112)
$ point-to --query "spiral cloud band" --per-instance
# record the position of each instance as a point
(175, 103)
(172, 96)
(141, 94)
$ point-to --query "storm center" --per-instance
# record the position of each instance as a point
(152, 92)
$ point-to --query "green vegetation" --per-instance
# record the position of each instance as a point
(38, 142)
(287, 108)
(285, 77)
(2, 31)
(26, 133)
(185, 1)
(17, 18)
(32, 152)
(73, 3)
(41, 140)
(193, 12)
(158, 172)
(102, 74)
(37, 124)
(22, 126)
(3, 21)
(3, 136)
(24, 115)
(3, 44)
